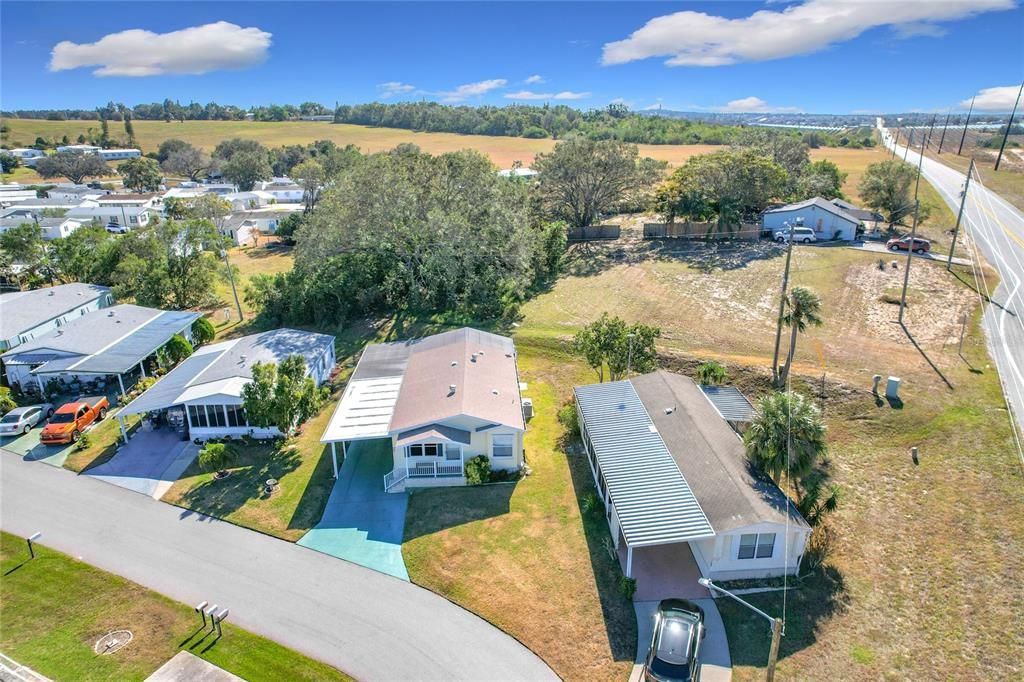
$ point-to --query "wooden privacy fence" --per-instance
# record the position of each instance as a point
(700, 231)
(594, 232)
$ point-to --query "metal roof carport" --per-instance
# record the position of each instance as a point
(651, 500)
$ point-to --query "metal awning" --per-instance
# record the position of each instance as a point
(730, 403)
(652, 500)
(364, 411)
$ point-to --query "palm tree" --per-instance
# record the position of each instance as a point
(817, 498)
(786, 436)
(802, 310)
(711, 373)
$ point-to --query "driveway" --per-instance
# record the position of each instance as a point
(149, 463)
(878, 247)
(29, 447)
(716, 664)
(370, 625)
(362, 523)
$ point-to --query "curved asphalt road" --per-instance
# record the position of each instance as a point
(998, 230)
(370, 625)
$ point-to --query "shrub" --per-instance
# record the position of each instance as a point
(711, 373)
(591, 501)
(84, 441)
(203, 331)
(627, 587)
(478, 470)
(570, 419)
(6, 401)
(216, 457)
(178, 348)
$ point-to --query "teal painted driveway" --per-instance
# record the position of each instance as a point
(362, 523)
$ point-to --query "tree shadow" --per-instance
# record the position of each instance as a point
(810, 604)
(619, 616)
(267, 250)
(709, 256)
(432, 510)
(247, 482)
(310, 508)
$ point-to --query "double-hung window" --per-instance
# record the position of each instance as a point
(756, 546)
(502, 445)
(426, 450)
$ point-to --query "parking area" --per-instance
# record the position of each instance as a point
(149, 463)
(361, 523)
(716, 664)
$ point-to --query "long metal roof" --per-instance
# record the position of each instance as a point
(730, 403)
(652, 500)
(23, 310)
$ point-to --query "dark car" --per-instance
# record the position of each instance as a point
(675, 648)
(902, 244)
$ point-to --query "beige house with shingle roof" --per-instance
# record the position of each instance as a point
(441, 400)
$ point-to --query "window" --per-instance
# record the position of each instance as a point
(197, 414)
(756, 546)
(216, 415)
(236, 416)
(426, 450)
(502, 445)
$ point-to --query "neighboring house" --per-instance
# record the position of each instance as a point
(207, 386)
(79, 148)
(826, 219)
(76, 193)
(517, 173)
(861, 214)
(671, 471)
(24, 315)
(102, 344)
(119, 154)
(282, 190)
(53, 228)
(127, 213)
(240, 231)
(239, 225)
(28, 157)
(243, 201)
(13, 193)
(440, 400)
(317, 117)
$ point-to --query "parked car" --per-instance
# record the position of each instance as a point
(117, 228)
(22, 419)
(71, 419)
(800, 234)
(675, 647)
(903, 243)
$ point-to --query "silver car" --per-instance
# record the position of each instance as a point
(21, 419)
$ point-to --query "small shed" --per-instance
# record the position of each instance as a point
(826, 219)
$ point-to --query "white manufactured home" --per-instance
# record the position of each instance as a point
(677, 487)
(24, 315)
(440, 400)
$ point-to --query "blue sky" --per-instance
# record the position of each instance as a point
(735, 56)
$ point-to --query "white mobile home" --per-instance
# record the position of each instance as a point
(24, 315)
(828, 220)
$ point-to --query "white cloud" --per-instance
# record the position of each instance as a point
(994, 99)
(534, 79)
(392, 88)
(530, 95)
(137, 52)
(751, 105)
(463, 92)
(698, 39)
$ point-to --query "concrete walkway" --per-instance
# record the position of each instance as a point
(362, 523)
(186, 667)
(367, 624)
(716, 664)
(149, 463)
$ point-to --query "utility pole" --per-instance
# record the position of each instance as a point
(782, 307)
(1009, 124)
(231, 278)
(895, 142)
(943, 138)
(928, 138)
(960, 215)
(777, 625)
(909, 142)
(910, 255)
(966, 123)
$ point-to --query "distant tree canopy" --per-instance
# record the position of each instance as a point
(820, 179)
(141, 174)
(885, 187)
(246, 168)
(181, 158)
(75, 166)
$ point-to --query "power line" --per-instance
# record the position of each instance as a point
(1009, 124)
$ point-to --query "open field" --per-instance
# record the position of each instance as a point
(501, 150)
(54, 608)
(269, 258)
(1007, 182)
(302, 467)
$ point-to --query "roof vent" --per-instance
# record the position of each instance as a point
(451, 389)
(454, 363)
(110, 314)
(494, 391)
(243, 358)
(472, 357)
(670, 410)
(51, 293)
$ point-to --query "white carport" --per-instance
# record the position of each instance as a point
(364, 413)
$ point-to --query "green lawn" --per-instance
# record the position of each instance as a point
(103, 442)
(302, 466)
(54, 608)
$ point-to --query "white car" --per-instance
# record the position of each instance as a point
(21, 419)
(800, 234)
(117, 228)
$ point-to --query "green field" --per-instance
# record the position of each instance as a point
(54, 608)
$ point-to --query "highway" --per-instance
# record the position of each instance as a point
(997, 229)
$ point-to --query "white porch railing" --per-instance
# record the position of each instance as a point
(393, 478)
(434, 468)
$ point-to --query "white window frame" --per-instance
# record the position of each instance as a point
(422, 447)
(511, 445)
(756, 547)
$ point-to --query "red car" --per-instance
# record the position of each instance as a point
(903, 243)
(70, 420)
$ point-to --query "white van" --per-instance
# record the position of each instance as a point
(800, 234)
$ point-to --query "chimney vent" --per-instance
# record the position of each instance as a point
(472, 357)
(454, 363)
(451, 389)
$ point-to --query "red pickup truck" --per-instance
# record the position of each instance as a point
(70, 420)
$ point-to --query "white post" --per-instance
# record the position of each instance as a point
(124, 432)
(121, 384)
(142, 369)
(629, 561)
(39, 380)
(334, 459)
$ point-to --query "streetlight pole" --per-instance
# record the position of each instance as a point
(777, 625)
(782, 305)
(231, 278)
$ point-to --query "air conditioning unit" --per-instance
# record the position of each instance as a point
(527, 408)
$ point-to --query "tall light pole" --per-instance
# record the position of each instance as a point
(231, 278)
(777, 625)
(782, 305)
(1009, 124)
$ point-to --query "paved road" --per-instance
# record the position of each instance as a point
(370, 625)
(998, 230)
(877, 247)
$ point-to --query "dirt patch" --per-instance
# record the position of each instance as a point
(929, 302)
